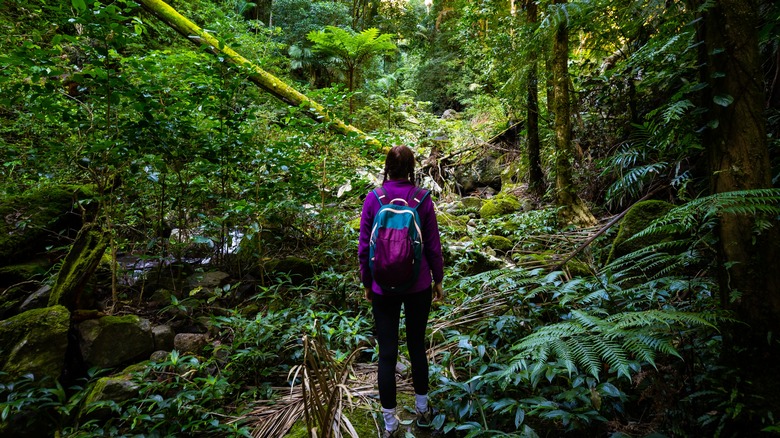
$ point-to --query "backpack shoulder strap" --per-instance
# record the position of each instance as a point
(378, 196)
(418, 197)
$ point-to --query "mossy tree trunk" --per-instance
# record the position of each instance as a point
(535, 175)
(79, 265)
(738, 157)
(573, 208)
(257, 75)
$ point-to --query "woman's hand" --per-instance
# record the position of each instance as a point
(368, 293)
(438, 292)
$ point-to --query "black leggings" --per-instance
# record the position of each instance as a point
(387, 316)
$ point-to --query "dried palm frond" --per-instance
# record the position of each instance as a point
(274, 418)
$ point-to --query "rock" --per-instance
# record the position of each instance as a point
(449, 114)
(637, 219)
(498, 243)
(499, 205)
(159, 356)
(472, 202)
(456, 223)
(38, 219)
(115, 388)
(471, 262)
(190, 342)
(485, 172)
(18, 273)
(163, 337)
(114, 340)
(160, 297)
(35, 342)
(207, 280)
(37, 299)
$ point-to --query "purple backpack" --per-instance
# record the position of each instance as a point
(396, 244)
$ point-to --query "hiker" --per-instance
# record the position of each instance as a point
(388, 291)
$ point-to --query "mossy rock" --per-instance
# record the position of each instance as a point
(35, 342)
(113, 388)
(458, 224)
(637, 219)
(472, 203)
(113, 340)
(499, 205)
(468, 261)
(498, 243)
(38, 219)
(17, 273)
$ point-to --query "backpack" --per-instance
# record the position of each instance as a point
(396, 243)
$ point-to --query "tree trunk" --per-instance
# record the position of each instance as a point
(573, 209)
(535, 175)
(258, 76)
(738, 159)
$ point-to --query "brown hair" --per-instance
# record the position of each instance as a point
(399, 164)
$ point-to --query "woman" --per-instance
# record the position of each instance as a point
(416, 300)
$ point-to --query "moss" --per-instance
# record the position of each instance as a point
(457, 224)
(355, 224)
(13, 274)
(578, 269)
(31, 217)
(35, 342)
(500, 204)
(498, 243)
(79, 265)
(636, 220)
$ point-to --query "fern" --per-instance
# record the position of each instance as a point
(588, 341)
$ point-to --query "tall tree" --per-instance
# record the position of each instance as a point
(535, 174)
(573, 208)
(738, 159)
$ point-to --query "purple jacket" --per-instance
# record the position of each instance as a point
(432, 266)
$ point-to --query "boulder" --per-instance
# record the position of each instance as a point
(498, 243)
(485, 172)
(163, 337)
(38, 219)
(472, 202)
(207, 280)
(108, 389)
(37, 299)
(638, 217)
(35, 342)
(113, 340)
(470, 262)
(499, 205)
(190, 342)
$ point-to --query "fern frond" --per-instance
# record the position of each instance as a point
(587, 341)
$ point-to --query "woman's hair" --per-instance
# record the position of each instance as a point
(399, 164)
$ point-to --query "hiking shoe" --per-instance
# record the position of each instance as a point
(392, 433)
(425, 419)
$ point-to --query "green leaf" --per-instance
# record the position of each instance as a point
(79, 5)
(723, 100)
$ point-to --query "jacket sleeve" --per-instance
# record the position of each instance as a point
(432, 240)
(366, 220)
